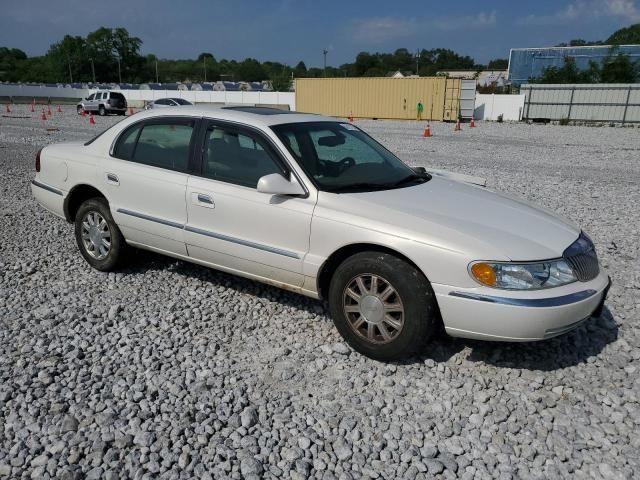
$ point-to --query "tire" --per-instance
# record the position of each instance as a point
(412, 308)
(79, 109)
(105, 258)
(102, 111)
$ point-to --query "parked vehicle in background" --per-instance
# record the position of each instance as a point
(168, 102)
(103, 103)
(315, 205)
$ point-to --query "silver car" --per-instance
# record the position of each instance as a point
(168, 102)
(103, 102)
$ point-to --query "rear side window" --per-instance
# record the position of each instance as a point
(164, 145)
(126, 144)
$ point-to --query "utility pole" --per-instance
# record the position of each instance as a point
(119, 73)
(93, 71)
(157, 71)
(418, 62)
(204, 59)
(324, 52)
(70, 76)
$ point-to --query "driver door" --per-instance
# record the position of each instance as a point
(233, 226)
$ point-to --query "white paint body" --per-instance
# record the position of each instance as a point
(441, 226)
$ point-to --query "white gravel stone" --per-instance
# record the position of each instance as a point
(171, 370)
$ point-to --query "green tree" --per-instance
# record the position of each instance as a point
(498, 64)
(68, 60)
(625, 36)
(619, 69)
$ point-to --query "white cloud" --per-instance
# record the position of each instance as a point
(382, 29)
(586, 10)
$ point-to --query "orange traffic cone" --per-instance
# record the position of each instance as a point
(472, 124)
(83, 113)
(8, 108)
(91, 120)
(427, 132)
(457, 127)
(33, 106)
(59, 109)
(49, 110)
(130, 111)
(43, 117)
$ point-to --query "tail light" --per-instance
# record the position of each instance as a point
(38, 161)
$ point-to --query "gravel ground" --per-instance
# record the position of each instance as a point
(171, 370)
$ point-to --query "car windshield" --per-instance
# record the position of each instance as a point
(341, 158)
(181, 101)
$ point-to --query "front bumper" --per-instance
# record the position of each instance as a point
(490, 314)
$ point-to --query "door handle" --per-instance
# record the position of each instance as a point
(202, 200)
(113, 178)
(205, 199)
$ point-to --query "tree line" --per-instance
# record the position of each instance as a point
(113, 55)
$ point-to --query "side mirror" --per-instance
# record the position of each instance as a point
(276, 184)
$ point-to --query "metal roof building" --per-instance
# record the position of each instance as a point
(526, 63)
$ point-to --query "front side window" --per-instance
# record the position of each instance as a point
(340, 157)
(164, 145)
(237, 157)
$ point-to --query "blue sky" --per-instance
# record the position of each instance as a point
(293, 30)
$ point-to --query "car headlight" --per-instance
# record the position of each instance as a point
(523, 276)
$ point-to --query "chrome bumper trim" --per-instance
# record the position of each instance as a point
(529, 302)
(46, 187)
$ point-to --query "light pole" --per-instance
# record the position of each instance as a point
(157, 71)
(418, 62)
(204, 59)
(93, 70)
(324, 52)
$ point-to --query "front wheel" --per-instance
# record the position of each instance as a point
(383, 306)
(98, 237)
(79, 109)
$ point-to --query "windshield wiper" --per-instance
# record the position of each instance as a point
(364, 186)
(410, 178)
(369, 186)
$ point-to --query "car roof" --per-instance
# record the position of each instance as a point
(251, 115)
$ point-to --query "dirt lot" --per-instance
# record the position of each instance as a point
(171, 370)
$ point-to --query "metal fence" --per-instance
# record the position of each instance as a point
(583, 103)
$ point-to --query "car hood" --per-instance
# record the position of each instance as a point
(469, 219)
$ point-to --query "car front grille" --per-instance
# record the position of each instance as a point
(582, 258)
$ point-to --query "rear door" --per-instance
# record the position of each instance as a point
(231, 224)
(146, 178)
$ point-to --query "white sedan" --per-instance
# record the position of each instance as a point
(316, 206)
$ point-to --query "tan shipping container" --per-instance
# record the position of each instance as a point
(390, 98)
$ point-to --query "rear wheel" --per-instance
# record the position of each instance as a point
(98, 237)
(383, 306)
(102, 111)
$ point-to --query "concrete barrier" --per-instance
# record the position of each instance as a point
(138, 98)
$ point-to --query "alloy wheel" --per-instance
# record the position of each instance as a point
(373, 308)
(96, 236)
